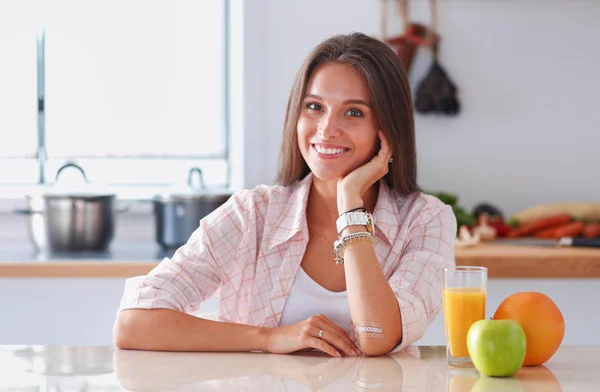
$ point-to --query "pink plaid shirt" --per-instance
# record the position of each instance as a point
(249, 250)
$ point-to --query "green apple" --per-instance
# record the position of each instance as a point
(497, 347)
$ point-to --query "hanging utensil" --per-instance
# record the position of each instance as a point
(436, 93)
(414, 34)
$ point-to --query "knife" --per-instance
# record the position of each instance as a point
(578, 241)
(564, 241)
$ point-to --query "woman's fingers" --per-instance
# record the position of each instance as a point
(384, 151)
(335, 340)
(328, 325)
(323, 346)
(333, 325)
(340, 332)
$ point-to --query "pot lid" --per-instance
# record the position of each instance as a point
(73, 186)
(192, 189)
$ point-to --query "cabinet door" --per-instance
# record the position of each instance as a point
(63, 311)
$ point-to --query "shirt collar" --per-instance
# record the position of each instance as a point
(293, 216)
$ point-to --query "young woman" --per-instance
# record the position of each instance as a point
(343, 255)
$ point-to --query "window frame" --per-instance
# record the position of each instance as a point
(28, 166)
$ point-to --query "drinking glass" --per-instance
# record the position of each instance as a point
(464, 297)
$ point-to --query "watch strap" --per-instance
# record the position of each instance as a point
(355, 218)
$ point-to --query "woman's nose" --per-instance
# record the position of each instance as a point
(328, 127)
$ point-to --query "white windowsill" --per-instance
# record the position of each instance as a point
(137, 199)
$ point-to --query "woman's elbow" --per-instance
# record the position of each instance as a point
(376, 349)
(124, 331)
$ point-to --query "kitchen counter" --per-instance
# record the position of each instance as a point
(122, 259)
(521, 261)
(25, 368)
(132, 258)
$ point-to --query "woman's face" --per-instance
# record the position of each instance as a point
(337, 131)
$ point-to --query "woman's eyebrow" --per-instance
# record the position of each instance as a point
(357, 102)
(314, 96)
(346, 102)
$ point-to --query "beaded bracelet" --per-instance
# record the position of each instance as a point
(340, 245)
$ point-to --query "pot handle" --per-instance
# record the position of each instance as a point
(76, 166)
(25, 211)
(200, 177)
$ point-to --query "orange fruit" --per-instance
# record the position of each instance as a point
(541, 320)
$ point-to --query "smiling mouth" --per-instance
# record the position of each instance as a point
(329, 152)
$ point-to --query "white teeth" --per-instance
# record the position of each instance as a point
(329, 151)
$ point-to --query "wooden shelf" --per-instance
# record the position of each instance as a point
(502, 261)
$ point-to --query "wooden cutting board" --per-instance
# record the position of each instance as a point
(517, 261)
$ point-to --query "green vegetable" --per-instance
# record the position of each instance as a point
(513, 223)
(446, 198)
(463, 217)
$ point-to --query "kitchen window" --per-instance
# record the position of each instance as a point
(135, 91)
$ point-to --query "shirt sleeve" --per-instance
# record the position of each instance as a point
(195, 272)
(417, 283)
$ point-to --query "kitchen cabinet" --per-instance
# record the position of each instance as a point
(75, 301)
(62, 310)
(82, 311)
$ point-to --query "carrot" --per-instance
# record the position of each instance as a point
(570, 230)
(549, 232)
(592, 230)
(540, 224)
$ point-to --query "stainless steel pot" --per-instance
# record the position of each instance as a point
(71, 220)
(178, 214)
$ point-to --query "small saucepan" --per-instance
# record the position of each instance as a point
(178, 212)
(71, 219)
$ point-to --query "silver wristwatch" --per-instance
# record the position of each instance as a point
(355, 218)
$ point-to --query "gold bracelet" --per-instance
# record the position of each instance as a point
(341, 244)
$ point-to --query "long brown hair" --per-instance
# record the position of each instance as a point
(391, 103)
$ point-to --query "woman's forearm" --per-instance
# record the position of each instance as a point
(171, 330)
(371, 299)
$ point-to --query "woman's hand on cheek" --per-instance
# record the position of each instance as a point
(352, 187)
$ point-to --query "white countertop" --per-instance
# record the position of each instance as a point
(45, 368)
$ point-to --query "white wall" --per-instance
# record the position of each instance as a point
(527, 74)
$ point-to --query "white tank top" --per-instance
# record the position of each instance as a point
(308, 298)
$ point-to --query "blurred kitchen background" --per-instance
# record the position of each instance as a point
(137, 93)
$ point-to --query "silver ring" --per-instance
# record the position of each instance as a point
(321, 334)
(390, 158)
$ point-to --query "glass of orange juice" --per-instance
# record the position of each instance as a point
(463, 296)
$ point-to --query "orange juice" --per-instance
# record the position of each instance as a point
(462, 307)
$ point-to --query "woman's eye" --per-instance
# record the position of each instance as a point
(355, 113)
(313, 106)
